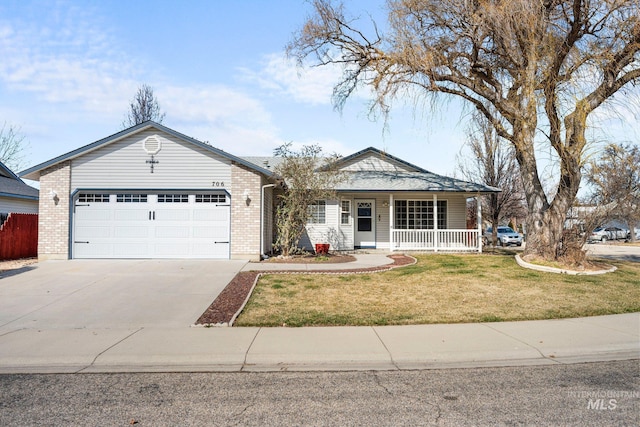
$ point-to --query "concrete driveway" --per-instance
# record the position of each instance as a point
(110, 294)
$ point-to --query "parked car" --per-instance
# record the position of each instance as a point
(602, 234)
(506, 236)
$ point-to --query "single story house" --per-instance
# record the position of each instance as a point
(15, 195)
(151, 192)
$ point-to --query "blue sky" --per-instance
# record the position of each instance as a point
(218, 69)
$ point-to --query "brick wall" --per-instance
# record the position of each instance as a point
(245, 216)
(53, 224)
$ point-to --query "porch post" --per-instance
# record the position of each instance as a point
(479, 221)
(391, 221)
(435, 222)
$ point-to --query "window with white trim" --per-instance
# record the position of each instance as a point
(418, 214)
(173, 198)
(93, 198)
(317, 212)
(131, 198)
(345, 212)
(211, 198)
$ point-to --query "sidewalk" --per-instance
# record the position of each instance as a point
(172, 348)
(544, 342)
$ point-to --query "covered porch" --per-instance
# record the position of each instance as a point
(431, 234)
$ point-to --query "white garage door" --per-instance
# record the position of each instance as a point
(149, 225)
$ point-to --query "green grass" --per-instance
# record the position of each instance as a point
(441, 288)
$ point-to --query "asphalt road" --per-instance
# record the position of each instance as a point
(586, 394)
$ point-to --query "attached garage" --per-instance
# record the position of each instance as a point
(151, 225)
(151, 192)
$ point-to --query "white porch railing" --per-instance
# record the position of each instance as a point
(435, 240)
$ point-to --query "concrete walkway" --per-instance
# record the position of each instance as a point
(149, 349)
(38, 347)
(362, 261)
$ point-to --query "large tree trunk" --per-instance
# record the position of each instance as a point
(545, 220)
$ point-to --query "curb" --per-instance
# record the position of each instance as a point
(546, 269)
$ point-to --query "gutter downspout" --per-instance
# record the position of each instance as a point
(262, 255)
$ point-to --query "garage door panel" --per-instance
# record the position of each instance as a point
(173, 214)
(219, 233)
(171, 250)
(95, 250)
(151, 230)
(172, 232)
(130, 250)
(213, 214)
(130, 232)
(92, 214)
(136, 214)
(98, 231)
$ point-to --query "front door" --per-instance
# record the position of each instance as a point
(365, 224)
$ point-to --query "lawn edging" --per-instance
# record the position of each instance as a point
(543, 268)
(242, 279)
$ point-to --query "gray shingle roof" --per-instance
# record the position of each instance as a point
(409, 181)
(379, 180)
(12, 186)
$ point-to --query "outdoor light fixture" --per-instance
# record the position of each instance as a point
(53, 194)
(245, 195)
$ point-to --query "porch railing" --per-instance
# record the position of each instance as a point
(435, 240)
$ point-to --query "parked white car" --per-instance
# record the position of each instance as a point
(506, 236)
(602, 234)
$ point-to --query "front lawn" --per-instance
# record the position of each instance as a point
(440, 289)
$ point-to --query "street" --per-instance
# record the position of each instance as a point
(605, 393)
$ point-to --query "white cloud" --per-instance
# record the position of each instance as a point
(281, 76)
(70, 69)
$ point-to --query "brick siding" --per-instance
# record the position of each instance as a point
(245, 216)
(53, 224)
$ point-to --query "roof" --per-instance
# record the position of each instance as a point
(410, 181)
(413, 179)
(12, 186)
(381, 154)
(34, 172)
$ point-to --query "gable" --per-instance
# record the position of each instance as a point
(125, 163)
(374, 162)
(34, 172)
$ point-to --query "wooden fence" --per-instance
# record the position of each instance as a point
(19, 236)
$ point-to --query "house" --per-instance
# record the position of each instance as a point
(15, 195)
(151, 192)
(387, 203)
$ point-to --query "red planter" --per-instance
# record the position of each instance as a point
(322, 248)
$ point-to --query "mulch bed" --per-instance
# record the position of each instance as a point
(233, 297)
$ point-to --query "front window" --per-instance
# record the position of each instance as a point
(345, 212)
(317, 212)
(418, 214)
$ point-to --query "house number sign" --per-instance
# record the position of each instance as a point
(218, 184)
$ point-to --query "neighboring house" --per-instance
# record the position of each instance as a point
(151, 192)
(15, 195)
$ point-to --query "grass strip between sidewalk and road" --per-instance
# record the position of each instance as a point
(440, 288)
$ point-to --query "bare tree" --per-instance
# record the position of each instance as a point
(143, 107)
(615, 178)
(12, 147)
(542, 66)
(305, 184)
(492, 162)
